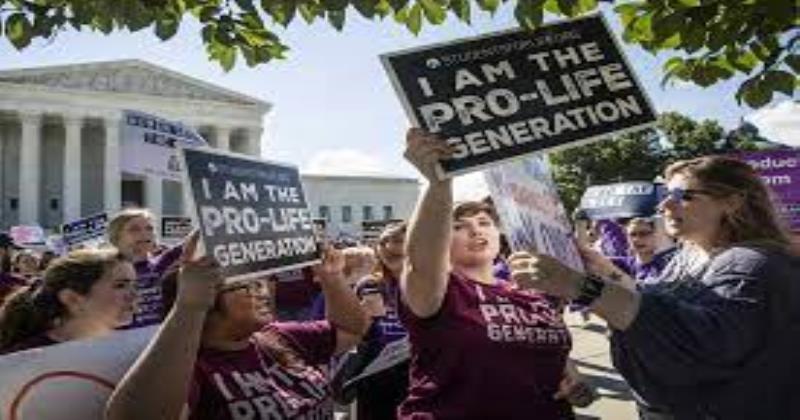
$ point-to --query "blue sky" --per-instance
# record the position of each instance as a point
(335, 110)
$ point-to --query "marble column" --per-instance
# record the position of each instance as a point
(71, 192)
(154, 198)
(112, 189)
(30, 162)
(223, 137)
(254, 141)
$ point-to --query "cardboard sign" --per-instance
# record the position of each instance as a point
(508, 94)
(621, 200)
(780, 170)
(530, 209)
(175, 228)
(69, 381)
(27, 235)
(84, 230)
(252, 214)
(149, 145)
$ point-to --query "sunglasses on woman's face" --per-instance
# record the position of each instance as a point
(684, 194)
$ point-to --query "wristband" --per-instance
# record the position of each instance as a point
(591, 289)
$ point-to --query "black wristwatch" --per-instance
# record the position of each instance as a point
(591, 289)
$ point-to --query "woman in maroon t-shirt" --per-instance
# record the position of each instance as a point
(84, 294)
(218, 355)
(481, 347)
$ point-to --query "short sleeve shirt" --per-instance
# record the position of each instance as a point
(490, 352)
(251, 384)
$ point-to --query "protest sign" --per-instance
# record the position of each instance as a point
(621, 200)
(149, 144)
(252, 214)
(175, 228)
(84, 230)
(780, 170)
(527, 201)
(69, 381)
(27, 235)
(508, 94)
(371, 229)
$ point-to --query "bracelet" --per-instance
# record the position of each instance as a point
(591, 289)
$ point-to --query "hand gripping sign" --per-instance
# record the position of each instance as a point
(252, 214)
(508, 94)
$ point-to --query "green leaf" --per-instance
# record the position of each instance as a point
(310, 11)
(793, 61)
(18, 30)
(434, 12)
(166, 27)
(779, 80)
(246, 5)
(683, 3)
(208, 13)
(336, 18)
(282, 11)
(529, 13)
(753, 93)
(461, 8)
(489, 5)
(334, 5)
(383, 8)
(225, 54)
(398, 5)
(414, 22)
(366, 7)
(744, 61)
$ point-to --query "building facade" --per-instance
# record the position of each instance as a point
(60, 136)
(344, 202)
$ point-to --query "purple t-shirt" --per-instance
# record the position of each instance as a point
(386, 328)
(149, 309)
(250, 384)
(490, 352)
(645, 273)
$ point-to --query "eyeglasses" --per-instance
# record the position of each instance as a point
(682, 195)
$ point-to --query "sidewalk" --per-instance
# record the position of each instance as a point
(590, 352)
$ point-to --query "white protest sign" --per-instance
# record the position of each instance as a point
(175, 228)
(392, 355)
(69, 381)
(85, 230)
(149, 144)
(530, 209)
(27, 235)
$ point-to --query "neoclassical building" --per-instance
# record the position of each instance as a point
(60, 136)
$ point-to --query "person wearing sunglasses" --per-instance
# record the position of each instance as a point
(220, 355)
(715, 337)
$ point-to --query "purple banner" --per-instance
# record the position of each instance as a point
(780, 170)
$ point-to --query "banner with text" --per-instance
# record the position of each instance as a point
(84, 230)
(25, 235)
(780, 170)
(530, 209)
(621, 200)
(149, 144)
(371, 229)
(69, 381)
(507, 94)
(252, 214)
(175, 228)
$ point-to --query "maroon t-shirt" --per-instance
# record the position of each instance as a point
(491, 352)
(250, 384)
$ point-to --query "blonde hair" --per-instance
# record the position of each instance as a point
(118, 222)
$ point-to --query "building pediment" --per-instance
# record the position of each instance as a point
(126, 77)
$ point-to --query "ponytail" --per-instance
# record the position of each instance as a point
(35, 309)
(28, 312)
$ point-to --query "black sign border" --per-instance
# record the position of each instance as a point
(409, 109)
(189, 196)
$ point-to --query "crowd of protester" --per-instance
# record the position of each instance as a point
(702, 299)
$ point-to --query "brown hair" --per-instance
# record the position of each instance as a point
(472, 208)
(640, 221)
(32, 310)
(268, 340)
(118, 222)
(380, 272)
(755, 220)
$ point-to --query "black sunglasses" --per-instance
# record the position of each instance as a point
(681, 194)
